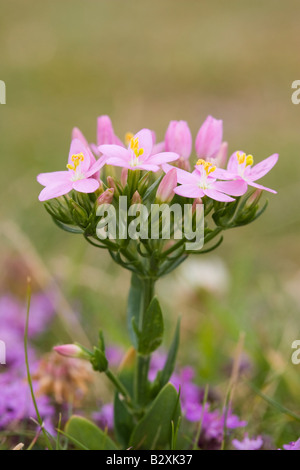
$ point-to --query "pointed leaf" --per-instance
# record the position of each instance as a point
(155, 428)
(151, 336)
(88, 435)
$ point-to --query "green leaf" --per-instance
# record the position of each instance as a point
(99, 361)
(67, 228)
(123, 421)
(171, 359)
(135, 303)
(154, 431)
(86, 434)
(151, 336)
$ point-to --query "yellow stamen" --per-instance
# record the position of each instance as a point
(249, 160)
(134, 145)
(241, 157)
(128, 137)
(76, 158)
(208, 167)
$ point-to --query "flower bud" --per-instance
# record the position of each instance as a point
(196, 202)
(183, 164)
(254, 198)
(77, 134)
(111, 183)
(221, 157)
(136, 198)
(71, 350)
(124, 176)
(165, 191)
(106, 197)
(105, 132)
(209, 138)
(178, 139)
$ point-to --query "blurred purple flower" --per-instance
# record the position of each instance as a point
(16, 403)
(248, 444)
(292, 445)
(105, 417)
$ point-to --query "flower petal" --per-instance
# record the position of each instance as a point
(106, 133)
(163, 157)
(209, 138)
(55, 190)
(53, 177)
(145, 139)
(262, 168)
(234, 188)
(96, 166)
(87, 185)
(259, 186)
(77, 134)
(114, 151)
(78, 147)
(189, 190)
(147, 167)
(233, 164)
(214, 194)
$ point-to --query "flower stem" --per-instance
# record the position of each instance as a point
(143, 362)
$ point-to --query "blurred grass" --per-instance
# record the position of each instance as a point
(145, 63)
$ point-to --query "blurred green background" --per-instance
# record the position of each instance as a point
(145, 63)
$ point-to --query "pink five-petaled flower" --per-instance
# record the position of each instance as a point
(138, 155)
(240, 168)
(81, 169)
(248, 444)
(203, 182)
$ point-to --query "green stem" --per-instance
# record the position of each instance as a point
(143, 362)
(119, 386)
(40, 421)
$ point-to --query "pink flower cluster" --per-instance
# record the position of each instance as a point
(141, 152)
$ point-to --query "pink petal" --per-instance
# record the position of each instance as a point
(259, 186)
(87, 185)
(53, 177)
(145, 139)
(77, 134)
(105, 132)
(114, 151)
(262, 168)
(148, 167)
(209, 138)
(213, 194)
(224, 174)
(52, 191)
(158, 148)
(233, 165)
(162, 157)
(96, 166)
(189, 190)
(178, 138)
(78, 147)
(234, 188)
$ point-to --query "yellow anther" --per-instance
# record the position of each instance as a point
(128, 137)
(208, 167)
(249, 160)
(76, 158)
(134, 143)
(241, 157)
